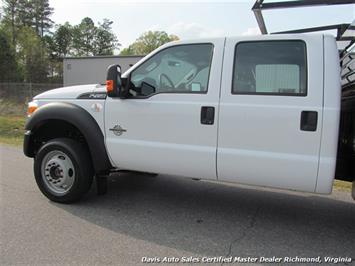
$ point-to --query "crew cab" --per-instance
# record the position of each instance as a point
(262, 110)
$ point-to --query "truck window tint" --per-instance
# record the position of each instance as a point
(179, 69)
(270, 67)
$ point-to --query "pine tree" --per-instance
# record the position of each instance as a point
(10, 15)
(8, 65)
(32, 56)
(41, 12)
(24, 13)
(63, 37)
(105, 41)
(83, 37)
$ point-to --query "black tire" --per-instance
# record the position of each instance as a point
(83, 169)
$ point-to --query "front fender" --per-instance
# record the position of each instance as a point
(76, 116)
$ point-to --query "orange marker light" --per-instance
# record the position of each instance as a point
(109, 85)
(32, 107)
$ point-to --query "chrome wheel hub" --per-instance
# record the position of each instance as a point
(58, 172)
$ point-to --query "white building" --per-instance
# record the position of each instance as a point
(92, 69)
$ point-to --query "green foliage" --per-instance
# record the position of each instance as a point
(31, 52)
(148, 42)
(83, 37)
(8, 64)
(31, 55)
(25, 13)
(25, 22)
(105, 40)
(40, 16)
(89, 39)
(9, 20)
(62, 40)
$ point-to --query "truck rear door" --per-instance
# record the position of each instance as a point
(270, 117)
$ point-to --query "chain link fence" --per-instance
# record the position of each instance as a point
(14, 96)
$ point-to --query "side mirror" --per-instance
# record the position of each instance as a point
(113, 81)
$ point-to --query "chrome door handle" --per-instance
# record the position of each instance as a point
(118, 130)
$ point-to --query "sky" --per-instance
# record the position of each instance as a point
(194, 19)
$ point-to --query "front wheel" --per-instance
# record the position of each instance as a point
(63, 170)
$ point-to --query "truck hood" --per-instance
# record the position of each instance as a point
(71, 92)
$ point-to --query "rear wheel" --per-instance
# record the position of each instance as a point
(63, 170)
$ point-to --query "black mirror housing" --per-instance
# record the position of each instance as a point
(113, 81)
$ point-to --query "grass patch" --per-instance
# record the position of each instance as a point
(9, 107)
(12, 129)
(342, 185)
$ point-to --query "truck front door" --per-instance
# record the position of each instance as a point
(271, 112)
(168, 124)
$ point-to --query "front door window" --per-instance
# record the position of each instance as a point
(177, 69)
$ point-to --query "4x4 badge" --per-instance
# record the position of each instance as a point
(118, 130)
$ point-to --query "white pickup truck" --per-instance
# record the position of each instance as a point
(261, 110)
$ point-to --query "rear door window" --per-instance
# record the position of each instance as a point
(270, 68)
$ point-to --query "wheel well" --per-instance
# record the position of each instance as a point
(61, 119)
(55, 128)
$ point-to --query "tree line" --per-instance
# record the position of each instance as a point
(32, 46)
(148, 42)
